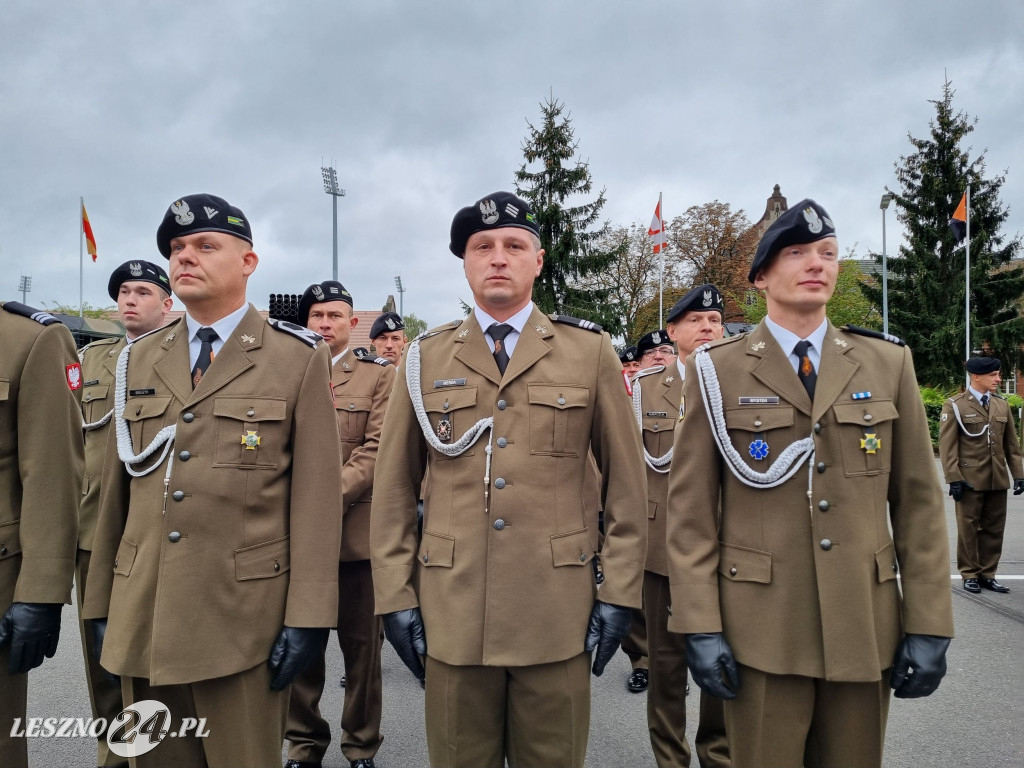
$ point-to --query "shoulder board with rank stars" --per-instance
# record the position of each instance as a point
(40, 316)
(585, 324)
(873, 334)
(440, 329)
(303, 334)
(378, 360)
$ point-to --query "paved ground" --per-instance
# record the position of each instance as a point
(975, 719)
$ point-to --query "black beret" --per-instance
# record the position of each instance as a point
(981, 365)
(386, 323)
(652, 340)
(142, 271)
(201, 213)
(703, 298)
(328, 290)
(498, 209)
(629, 355)
(805, 222)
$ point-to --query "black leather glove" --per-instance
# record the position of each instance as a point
(919, 666)
(1018, 487)
(956, 490)
(404, 630)
(608, 625)
(293, 649)
(98, 629)
(32, 629)
(710, 658)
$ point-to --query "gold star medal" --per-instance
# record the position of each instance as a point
(871, 443)
(250, 440)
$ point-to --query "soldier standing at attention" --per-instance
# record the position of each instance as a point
(694, 320)
(503, 408)
(361, 389)
(143, 294)
(783, 569)
(214, 574)
(388, 336)
(977, 441)
(41, 465)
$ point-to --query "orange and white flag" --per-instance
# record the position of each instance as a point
(657, 229)
(90, 238)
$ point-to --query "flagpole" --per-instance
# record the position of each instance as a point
(661, 266)
(81, 238)
(967, 293)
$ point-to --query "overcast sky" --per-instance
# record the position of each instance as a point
(423, 107)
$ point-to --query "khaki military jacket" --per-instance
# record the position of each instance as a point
(502, 574)
(99, 363)
(802, 577)
(41, 460)
(197, 576)
(361, 391)
(980, 461)
(661, 391)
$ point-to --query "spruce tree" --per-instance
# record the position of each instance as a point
(927, 280)
(572, 251)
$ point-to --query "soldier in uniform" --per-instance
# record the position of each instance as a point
(361, 389)
(655, 348)
(499, 595)
(658, 404)
(388, 336)
(977, 442)
(630, 360)
(142, 291)
(41, 465)
(214, 566)
(783, 569)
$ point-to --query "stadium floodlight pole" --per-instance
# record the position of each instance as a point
(401, 296)
(886, 199)
(24, 285)
(331, 188)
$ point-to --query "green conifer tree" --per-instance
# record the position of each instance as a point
(572, 249)
(927, 281)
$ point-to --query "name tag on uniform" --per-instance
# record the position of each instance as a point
(442, 383)
(91, 383)
(767, 400)
(141, 392)
(657, 414)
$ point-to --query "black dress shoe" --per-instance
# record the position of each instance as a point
(637, 681)
(994, 585)
(300, 764)
(971, 585)
(344, 680)
(362, 763)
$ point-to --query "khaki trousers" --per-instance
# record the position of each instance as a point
(13, 700)
(666, 693)
(980, 520)
(104, 692)
(245, 720)
(535, 717)
(360, 637)
(635, 644)
(790, 721)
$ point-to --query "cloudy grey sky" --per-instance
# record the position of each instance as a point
(423, 107)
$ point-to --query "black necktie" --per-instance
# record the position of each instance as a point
(805, 368)
(207, 336)
(984, 401)
(498, 332)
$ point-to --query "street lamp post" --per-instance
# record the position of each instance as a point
(331, 188)
(886, 199)
(401, 296)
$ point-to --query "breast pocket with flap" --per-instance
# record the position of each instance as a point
(251, 431)
(558, 418)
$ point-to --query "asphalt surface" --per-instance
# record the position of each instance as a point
(975, 719)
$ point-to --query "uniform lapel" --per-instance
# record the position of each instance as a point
(472, 350)
(110, 361)
(672, 391)
(774, 370)
(172, 367)
(530, 347)
(344, 369)
(233, 357)
(835, 370)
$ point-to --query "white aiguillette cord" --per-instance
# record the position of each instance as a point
(654, 463)
(781, 470)
(412, 379)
